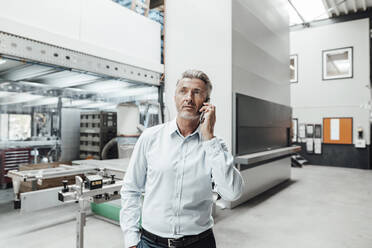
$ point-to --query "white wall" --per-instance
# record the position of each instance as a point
(311, 98)
(242, 46)
(260, 48)
(198, 36)
(97, 27)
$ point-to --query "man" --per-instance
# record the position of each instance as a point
(175, 164)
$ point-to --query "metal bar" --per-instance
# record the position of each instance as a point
(364, 4)
(346, 11)
(72, 59)
(298, 13)
(33, 175)
(80, 223)
(326, 6)
(15, 68)
(354, 5)
(147, 8)
(91, 81)
(334, 6)
(59, 111)
(45, 73)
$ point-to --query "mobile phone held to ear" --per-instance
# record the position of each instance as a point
(201, 119)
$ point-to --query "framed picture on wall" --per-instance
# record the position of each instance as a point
(338, 63)
(318, 131)
(309, 131)
(293, 72)
(301, 132)
(294, 130)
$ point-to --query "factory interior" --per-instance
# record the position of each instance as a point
(81, 80)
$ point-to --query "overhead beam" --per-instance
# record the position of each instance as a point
(43, 74)
(43, 101)
(45, 91)
(364, 4)
(335, 7)
(297, 12)
(18, 98)
(326, 6)
(14, 68)
(88, 82)
(346, 11)
(27, 71)
(354, 5)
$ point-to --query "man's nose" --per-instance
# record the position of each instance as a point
(188, 96)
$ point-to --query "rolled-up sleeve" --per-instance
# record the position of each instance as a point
(227, 179)
(134, 183)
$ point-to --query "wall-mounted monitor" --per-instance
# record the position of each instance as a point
(261, 125)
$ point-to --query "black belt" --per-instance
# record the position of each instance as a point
(180, 242)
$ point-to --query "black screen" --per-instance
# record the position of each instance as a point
(260, 125)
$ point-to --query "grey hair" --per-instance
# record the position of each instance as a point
(198, 75)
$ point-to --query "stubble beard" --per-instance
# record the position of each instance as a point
(187, 116)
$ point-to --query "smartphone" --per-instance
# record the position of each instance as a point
(201, 118)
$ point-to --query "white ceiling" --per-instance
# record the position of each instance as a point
(305, 11)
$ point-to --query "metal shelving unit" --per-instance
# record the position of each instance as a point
(11, 159)
(96, 129)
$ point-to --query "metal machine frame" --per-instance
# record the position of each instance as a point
(16, 46)
(112, 183)
(79, 193)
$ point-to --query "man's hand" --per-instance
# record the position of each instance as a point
(207, 126)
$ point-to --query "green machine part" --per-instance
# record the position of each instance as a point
(109, 210)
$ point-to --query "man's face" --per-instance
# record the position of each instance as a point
(189, 98)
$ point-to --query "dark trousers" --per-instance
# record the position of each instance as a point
(207, 242)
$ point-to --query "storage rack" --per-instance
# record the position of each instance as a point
(96, 129)
(11, 159)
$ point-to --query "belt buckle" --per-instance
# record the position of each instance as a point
(170, 245)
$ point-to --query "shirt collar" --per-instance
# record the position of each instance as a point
(173, 128)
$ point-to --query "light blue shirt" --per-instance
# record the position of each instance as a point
(176, 174)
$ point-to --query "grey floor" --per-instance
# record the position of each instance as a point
(321, 207)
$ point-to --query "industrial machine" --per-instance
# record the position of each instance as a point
(41, 199)
(102, 186)
(53, 69)
(96, 181)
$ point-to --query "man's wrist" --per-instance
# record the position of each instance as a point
(208, 137)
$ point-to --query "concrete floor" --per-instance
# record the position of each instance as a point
(321, 207)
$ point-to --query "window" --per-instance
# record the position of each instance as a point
(15, 126)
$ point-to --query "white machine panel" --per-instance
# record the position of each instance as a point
(40, 199)
(97, 27)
